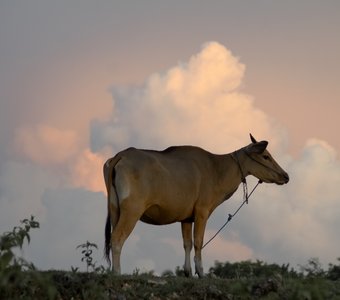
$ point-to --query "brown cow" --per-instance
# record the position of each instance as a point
(180, 184)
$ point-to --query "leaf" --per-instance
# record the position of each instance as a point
(28, 238)
(94, 245)
(6, 259)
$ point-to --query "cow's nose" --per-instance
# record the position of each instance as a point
(286, 176)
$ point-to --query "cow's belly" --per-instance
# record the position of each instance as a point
(157, 215)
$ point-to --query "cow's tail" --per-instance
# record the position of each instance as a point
(112, 203)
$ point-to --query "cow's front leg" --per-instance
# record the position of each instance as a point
(201, 218)
(187, 244)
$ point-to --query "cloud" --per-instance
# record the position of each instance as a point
(198, 102)
(61, 149)
(87, 171)
(43, 144)
(21, 188)
(158, 244)
(222, 249)
(211, 71)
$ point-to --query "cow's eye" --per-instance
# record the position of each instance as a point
(266, 157)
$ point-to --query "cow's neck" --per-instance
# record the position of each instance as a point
(230, 173)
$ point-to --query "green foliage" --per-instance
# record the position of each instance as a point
(168, 273)
(334, 271)
(249, 269)
(138, 272)
(313, 268)
(179, 272)
(87, 251)
(15, 239)
(19, 279)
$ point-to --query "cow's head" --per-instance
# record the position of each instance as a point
(260, 163)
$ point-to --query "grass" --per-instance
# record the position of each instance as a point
(70, 285)
(243, 280)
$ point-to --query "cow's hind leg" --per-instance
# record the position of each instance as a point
(127, 221)
(187, 244)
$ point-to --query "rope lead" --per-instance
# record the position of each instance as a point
(230, 216)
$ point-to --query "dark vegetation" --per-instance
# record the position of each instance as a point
(19, 279)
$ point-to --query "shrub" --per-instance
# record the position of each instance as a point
(249, 269)
(333, 272)
(15, 239)
(19, 278)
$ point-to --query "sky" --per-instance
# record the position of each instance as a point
(82, 80)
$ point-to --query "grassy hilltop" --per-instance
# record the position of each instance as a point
(19, 279)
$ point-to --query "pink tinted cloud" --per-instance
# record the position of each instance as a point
(86, 171)
(199, 102)
(48, 146)
(222, 249)
(45, 145)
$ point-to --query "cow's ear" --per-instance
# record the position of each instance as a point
(257, 147)
(253, 140)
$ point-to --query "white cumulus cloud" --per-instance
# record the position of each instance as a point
(199, 102)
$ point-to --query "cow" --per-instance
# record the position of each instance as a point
(179, 184)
